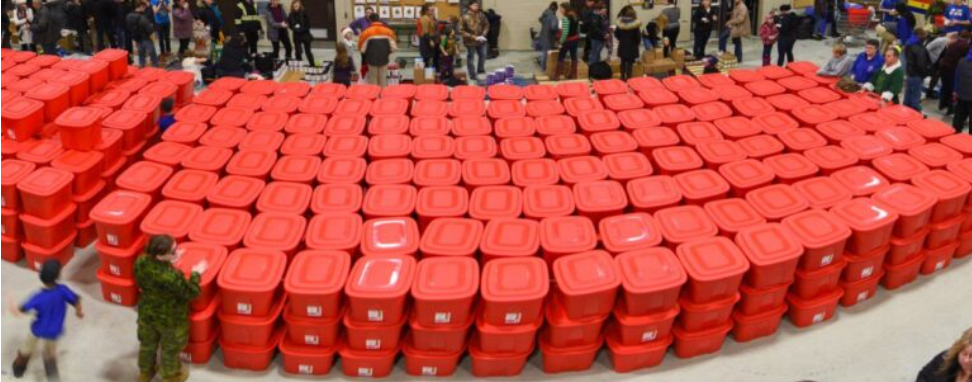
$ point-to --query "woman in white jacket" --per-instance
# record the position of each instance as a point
(23, 17)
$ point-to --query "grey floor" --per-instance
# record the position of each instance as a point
(887, 339)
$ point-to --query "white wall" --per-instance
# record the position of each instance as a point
(518, 17)
(646, 15)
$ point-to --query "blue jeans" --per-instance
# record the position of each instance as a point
(472, 51)
(723, 39)
(543, 59)
(147, 47)
(595, 54)
(820, 22)
(912, 97)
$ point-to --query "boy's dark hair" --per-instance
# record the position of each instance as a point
(873, 42)
(785, 7)
(167, 105)
(373, 17)
(921, 33)
(159, 245)
(50, 271)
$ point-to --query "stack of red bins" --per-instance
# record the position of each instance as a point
(639, 334)
(377, 292)
(203, 321)
(947, 217)
(48, 216)
(444, 297)
(906, 254)
(773, 254)
(117, 218)
(88, 188)
(716, 268)
(963, 169)
(872, 225)
(314, 284)
(814, 296)
(252, 303)
(14, 171)
(586, 287)
(513, 291)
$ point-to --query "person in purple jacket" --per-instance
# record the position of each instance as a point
(49, 306)
(363, 23)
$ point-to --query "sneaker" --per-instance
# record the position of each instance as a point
(20, 366)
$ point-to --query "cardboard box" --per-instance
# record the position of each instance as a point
(659, 53)
(639, 70)
(665, 65)
(678, 55)
(292, 76)
(648, 57)
(552, 63)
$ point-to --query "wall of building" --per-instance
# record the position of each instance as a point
(646, 15)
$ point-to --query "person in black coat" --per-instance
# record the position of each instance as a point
(963, 93)
(104, 22)
(210, 15)
(628, 33)
(299, 24)
(703, 20)
(77, 20)
(122, 9)
(952, 365)
(47, 27)
(235, 60)
(7, 7)
(595, 33)
(788, 25)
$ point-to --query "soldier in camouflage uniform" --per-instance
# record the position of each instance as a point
(163, 309)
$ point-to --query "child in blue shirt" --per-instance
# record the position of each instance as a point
(50, 308)
(167, 118)
(868, 62)
(957, 17)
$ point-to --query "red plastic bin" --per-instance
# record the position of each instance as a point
(938, 259)
(513, 290)
(871, 223)
(864, 266)
(285, 197)
(509, 238)
(451, 237)
(488, 364)
(145, 177)
(514, 338)
(698, 317)
(823, 236)
(118, 215)
(171, 217)
(628, 232)
(189, 186)
(754, 301)
(313, 332)
(430, 364)
(374, 364)
(120, 261)
(545, 201)
(214, 256)
(715, 268)
(810, 284)
(118, 290)
(306, 360)
(694, 344)
(559, 360)
(565, 235)
(338, 231)
(435, 203)
(650, 194)
(14, 172)
(314, 283)
(377, 288)
(807, 312)
(951, 191)
(444, 290)
(48, 233)
(440, 338)
(750, 327)
(251, 358)
(685, 223)
(235, 191)
(944, 233)
(587, 284)
(773, 254)
(565, 332)
(44, 193)
(276, 231)
(373, 336)
(732, 215)
(628, 358)
(746, 175)
(249, 283)
(390, 236)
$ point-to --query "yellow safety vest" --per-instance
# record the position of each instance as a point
(245, 15)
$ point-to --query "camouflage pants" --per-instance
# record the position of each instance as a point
(172, 340)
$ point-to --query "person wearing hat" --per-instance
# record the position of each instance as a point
(888, 81)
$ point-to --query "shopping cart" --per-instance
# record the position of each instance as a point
(854, 25)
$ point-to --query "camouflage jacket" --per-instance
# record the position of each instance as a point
(165, 292)
(473, 25)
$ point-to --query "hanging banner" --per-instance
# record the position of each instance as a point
(920, 6)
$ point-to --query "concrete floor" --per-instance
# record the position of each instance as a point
(887, 339)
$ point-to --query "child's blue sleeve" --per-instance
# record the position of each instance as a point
(31, 303)
(69, 296)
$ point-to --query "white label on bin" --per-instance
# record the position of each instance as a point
(112, 239)
(37, 265)
(861, 297)
(867, 272)
(114, 269)
(305, 369)
(826, 260)
(940, 266)
(513, 318)
(3, 201)
(443, 317)
(819, 317)
(12, 134)
(430, 371)
(314, 311)
(373, 344)
(186, 357)
(649, 336)
(244, 309)
(376, 315)
(310, 339)
(3, 230)
(116, 298)
(365, 371)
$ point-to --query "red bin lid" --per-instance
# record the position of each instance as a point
(171, 217)
(467, 107)
(390, 171)
(541, 108)
(600, 196)
(822, 192)
(296, 168)
(568, 144)
(446, 279)
(515, 279)
(519, 148)
(581, 169)
(20, 108)
(586, 273)
(577, 106)
(845, 107)
(860, 180)
(613, 142)
(791, 166)
(319, 273)
(802, 139)
(654, 137)
(511, 237)
(435, 92)
(713, 258)
(650, 270)
(943, 184)
(540, 92)
(390, 236)
(959, 142)
(734, 214)
(817, 228)
(388, 124)
(207, 158)
(797, 83)
(195, 253)
(555, 124)
(262, 140)
(120, 207)
(514, 127)
(506, 92)
(931, 129)
(493, 202)
(433, 147)
(402, 91)
(485, 172)
(541, 201)
(676, 158)
(720, 152)
(261, 87)
(728, 93)
(867, 147)
(901, 114)
(253, 270)
(935, 155)
(610, 86)
(78, 117)
(252, 102)
(674, 114)
(345, 124)
(45, 181)
(685, 223)
(337, 231)
(751, 107)
(231, 117)
(335, 198)
(160, 89)
(746, 75)
(167, 153)
(41, 151)
(363, 91)
(658, 97)
(452, 237)
(130, 120)
(761, 146)
(713, 80)
(768, 244)
(531, 172)
(15, 170)
(621, 102)
(389, 200)
(680, 82)
(654, 191)
(319, 104)
(236, 191)
(774, 72)
(328, 89)
(786, 101)
(430, 108)
(839, 130)
(194, 113)
(775, 123)
(144, 177)
(267, 121)
(429, 126)
(471, 126)
(389, 146)
(777, 201)
(252, 163)
(905, 199)
(573, 89)
(190, 185)
(346, 146)
(275, 230)
(598, 120)
(712, 111)
(831, 157)
(701, 184)
(638, 119)
(467, 92)
(388, 106)
(567, 234)
(764, 88)
(747, 173)
(354, 107)
(223, 136)
(628, 232)
(477, 147)
(442, 201)
(864, 214)
(694, 133)
(294, 89)
(285, 197)
(819, 95)
(870, 121)
(228, 83)
(626, 166)
(47, 92)
(737, 127)
(899, 167)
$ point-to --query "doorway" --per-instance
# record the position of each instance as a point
(322, 19)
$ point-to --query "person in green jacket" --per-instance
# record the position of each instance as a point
(163, 308)
(888, 81)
